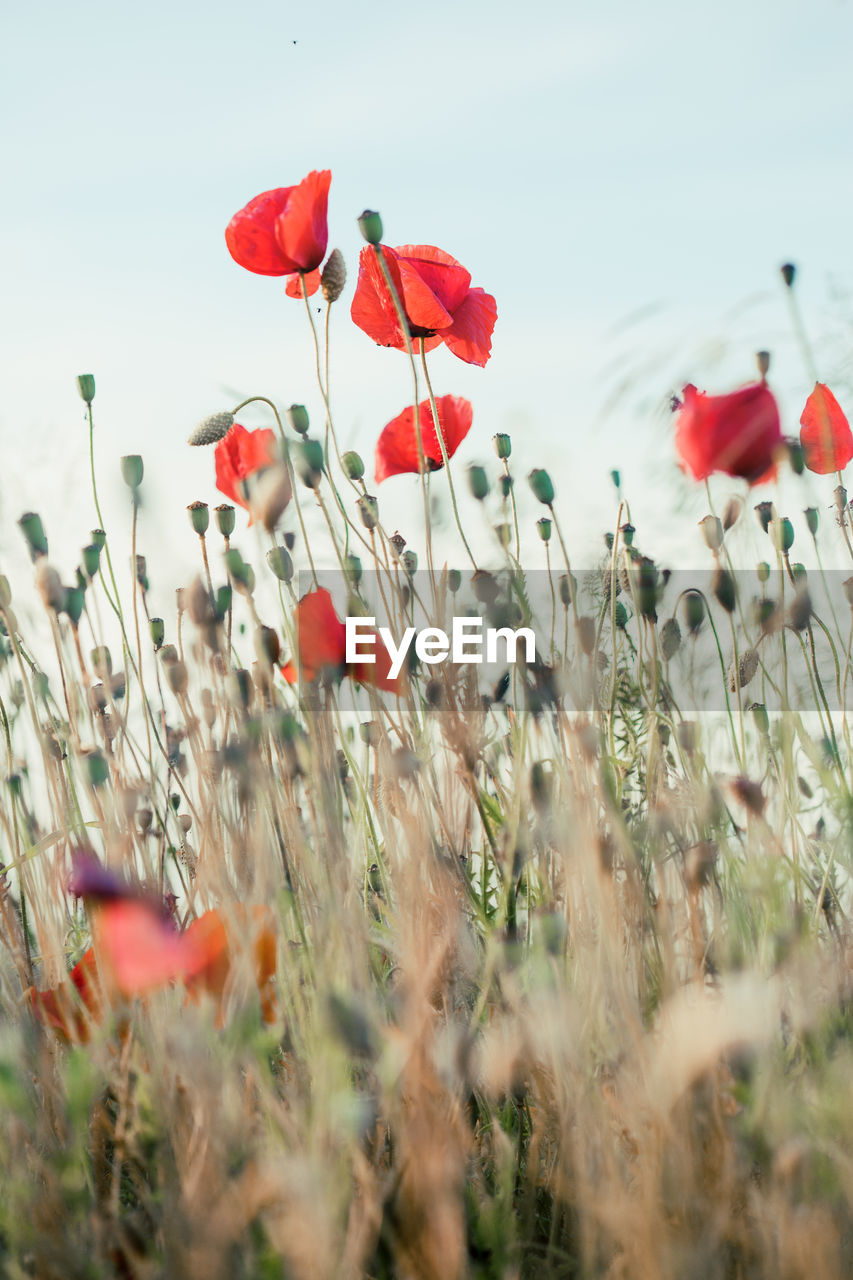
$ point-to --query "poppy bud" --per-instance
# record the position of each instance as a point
(225, 519)
(764, 512)
(731, 515)
(454, 581)
(478, 482)
(353, 567)
(568, 588)
(796, 457)
(33, 530)
(97, 769)
(783, 534)
(368, 509)
(506, 482)
(199, 517)
(353, 464)
(762, 359)
(724, 589)
(746, 668)
(694, 611)
(616, 478)
(789, 272)
(798, 571)
(800, 610)
(211, 429)
(542, 486)
(485, 586)
(309, 462)
(543, 527)
(839, 493)
(811, 520)
(503, 532)
(86, 387)
(370, 226)
(91, 559)
(99, 538)
(131, 470)
(761, 718)
(271, 492)
(620, 615)
(267, 646)
(75, 598)
(627, 530)
(763, 571)
(241, 572)
(333, 276)
(670, 639)
(503, 445)
(157, 629)
(410, 562)
(297, 416)
(712, 532)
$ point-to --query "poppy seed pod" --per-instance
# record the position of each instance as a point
(72, 606)
(724, 589)
(199, 514)
(278, 559)
(811, 515)
(478, 482)
(157, 628)
(91, 559)
(309, 459)
(503, 445)
(694, 611)
(370, 226)
(543, 528)
(102, 662)
(712, 532)
(797, 457)
(368, 509)
(764, 514)
(238, 569)
(783, 534)
(297, 416)
(49, 586)
(410, 562)
(211, 429)
(97, 769)
(670, 639)
(542, 486)
(353, 465)
(86, 387)
(99, 538)
(225, 519)
(761, 718)
(732, 513)
(627, 530)
(762, 570)
(177, 677)
(789, 272)
(267, 646)
(132, 470)
(454, 581)
(33, 530)
(333, 276)
(142, 572)
(353, 568)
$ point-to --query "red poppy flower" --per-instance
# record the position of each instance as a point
(825, 433)
(322, 644)
(293, 288)
(240, 459)
(218, 944)
(436, 295)
(70, 1008)
(285, 231)
(397, 446)
(738, 434)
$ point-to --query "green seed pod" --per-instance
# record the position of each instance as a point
(454, 581)
(694, 611)
(353, 464)
(761, 718)
(670, 639)
(99, 538)
(762, 569)
(91, 559)
(503, 445)
(543, 528)
(370, 226)
(789, 272)
(199, 514)
(75, 598)
(225, 519)
(97, 769)
(764, 512)
(297, 416)
(783, 533)
(798, 571)
(503, 533)
(353, 567)
(812, 520)
(410, 562)
(309, 460)
(617, 479)
(86, 386)
(237, 567)
(724, 589)
(505, 483)
(142, 572)
(368, 509)
(628, 531)
(33, 530)
(132, 470)
(157, 628)
(796, 457)
(478, 482)
(568, 588)
(278, 559)
(762, 359)
(222, 601)
(543, 488)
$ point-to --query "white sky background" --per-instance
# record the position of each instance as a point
(588, 163)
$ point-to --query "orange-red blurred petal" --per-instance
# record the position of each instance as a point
(293, 288)
(397, 446)
(825, 433)
(739, 434)
(239, 455)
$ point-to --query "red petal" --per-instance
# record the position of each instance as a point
(293, 288)
(372, 305)
(378, 673)
(139, 948)
(397, 446)
(320, 634)
(739, 434)
(301, 229)
(825, 433)
(240, 454)
(250, 235)
(445, 278)
(470, 335)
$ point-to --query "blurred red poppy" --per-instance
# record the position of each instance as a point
(70, 1008)
(218, 944)
(739, 434)
(240, 458)
(436, 296)
(397, 446)
(825, 433)
(285, 231)
(322, 645)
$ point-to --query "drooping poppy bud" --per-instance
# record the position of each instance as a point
(211, 429)
(333, 276)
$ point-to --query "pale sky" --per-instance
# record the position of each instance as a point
(625, 179)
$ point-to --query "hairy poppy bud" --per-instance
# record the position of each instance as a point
(789, 272)
(86, 387)
(33, 530)
(543, 528)
(225, 519)
(199, 517)
(157, 628)
(91, 559)
(211, 429)
(542, 486)
(353, 464)
(747, 666)
(278, 559)
(297, 416)
(370, 226)
(503, 445)
(670, 639)
(410, 562)
(131, 470)
(368, 509)
(333, 277)
(478, 482)
(712, 532)
(811, 520)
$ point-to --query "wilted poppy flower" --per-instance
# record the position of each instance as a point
(436, 295)
(825, 433)
(397, 446)
(241, 458)
(283, 232)
(322, 645)
(738, 434)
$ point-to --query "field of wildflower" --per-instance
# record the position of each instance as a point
(329, 949)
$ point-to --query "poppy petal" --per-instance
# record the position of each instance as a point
(372, 307)
(293, 288)
(301, 229)
(397, 446)
(250, 235)
(320, 634)
(825, 433)
(239, 455)
(470, 335)
(139, 948)
(448, 281)
(739, 434)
